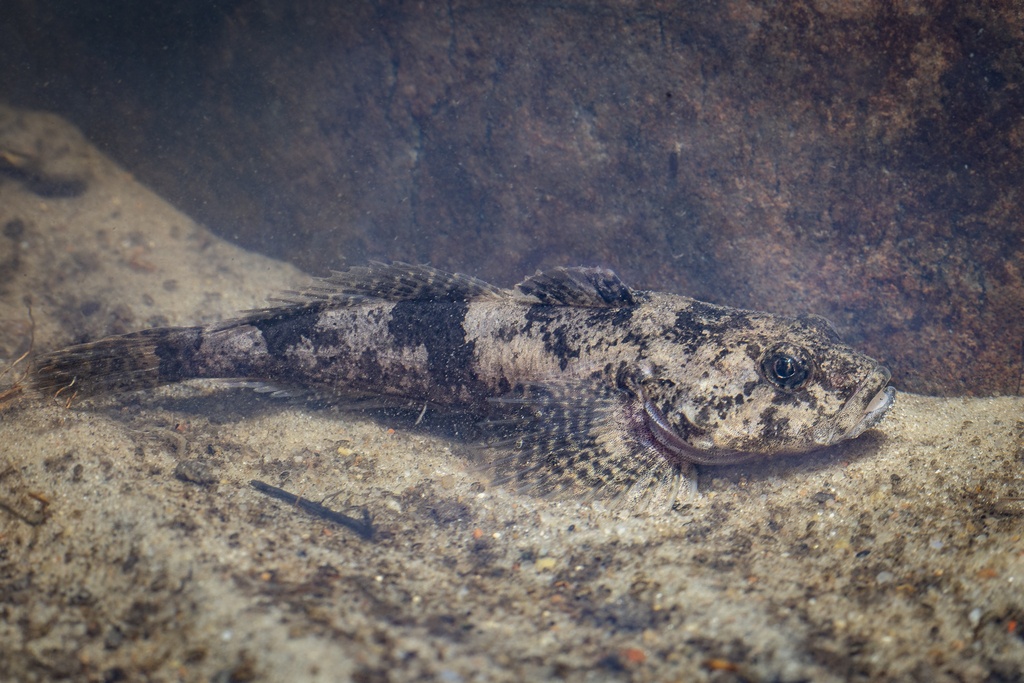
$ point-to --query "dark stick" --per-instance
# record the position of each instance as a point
(363, 527)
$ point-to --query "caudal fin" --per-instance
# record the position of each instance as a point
(141, 360)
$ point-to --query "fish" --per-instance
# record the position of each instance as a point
(583, 386)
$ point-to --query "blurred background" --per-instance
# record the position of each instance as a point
(859, 159)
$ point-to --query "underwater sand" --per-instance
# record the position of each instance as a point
(133, 548)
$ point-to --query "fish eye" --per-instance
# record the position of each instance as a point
(787, 367)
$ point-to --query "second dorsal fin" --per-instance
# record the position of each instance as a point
(593, 287)
(396, 282)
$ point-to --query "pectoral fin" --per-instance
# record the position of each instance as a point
(582, 439)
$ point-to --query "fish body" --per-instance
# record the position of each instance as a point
(586, 385)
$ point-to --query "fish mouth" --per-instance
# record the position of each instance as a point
(862, 411)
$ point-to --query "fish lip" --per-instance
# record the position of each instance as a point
(862, 411)
(878, 406)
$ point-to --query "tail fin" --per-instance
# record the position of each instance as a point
(134, 361)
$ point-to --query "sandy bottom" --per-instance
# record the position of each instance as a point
(133, 548)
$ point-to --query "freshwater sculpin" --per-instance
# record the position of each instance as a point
(585, 386)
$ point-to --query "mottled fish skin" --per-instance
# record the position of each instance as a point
(586, 386)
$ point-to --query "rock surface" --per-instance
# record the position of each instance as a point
(861, 160)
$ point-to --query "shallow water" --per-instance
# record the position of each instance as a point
(896, 555)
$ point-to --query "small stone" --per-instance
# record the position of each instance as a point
(195, 471)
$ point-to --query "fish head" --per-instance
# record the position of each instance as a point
(739, 385)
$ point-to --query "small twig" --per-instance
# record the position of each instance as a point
(40, 497)
(363, 527)
(9, 394)
(73, 380)
(32, 520)
(422, 413)
(11, 367)
(302, 493)
(31, 344)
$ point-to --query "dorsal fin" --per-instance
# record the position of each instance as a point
(395, 282)
(589, 287)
